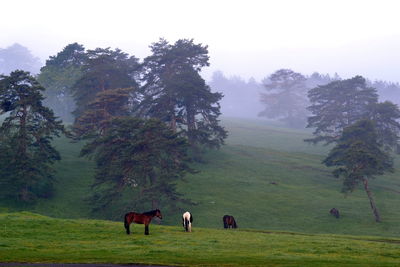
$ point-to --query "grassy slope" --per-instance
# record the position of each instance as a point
(237, 181)
(27, 237)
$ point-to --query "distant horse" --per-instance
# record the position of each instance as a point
(141, 218)
(229, 222)
(187, 220)
(334, 212)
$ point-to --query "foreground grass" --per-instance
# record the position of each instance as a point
(28, 237)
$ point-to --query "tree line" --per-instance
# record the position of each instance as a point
(142, 121)
(282, 95)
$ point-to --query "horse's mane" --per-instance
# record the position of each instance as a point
(151, 213)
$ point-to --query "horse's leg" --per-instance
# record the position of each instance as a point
(146, 229)
(126, 224)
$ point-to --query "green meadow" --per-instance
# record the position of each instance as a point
(266, 176)
(28, 237)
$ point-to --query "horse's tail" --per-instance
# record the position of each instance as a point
(126, 224)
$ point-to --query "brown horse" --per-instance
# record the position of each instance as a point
(229, 222)
(141, 218)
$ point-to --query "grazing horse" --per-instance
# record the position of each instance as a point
(187, 220)
(334, 212)
(229, 222)
(141, 218)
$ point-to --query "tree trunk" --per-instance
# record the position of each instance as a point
(191, 125)
(22, 153)
(172, 115)
(153, 180)
(371, 200)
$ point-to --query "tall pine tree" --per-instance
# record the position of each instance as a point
(175, 92)
(359, 157)
(25, 139)
(139, 160)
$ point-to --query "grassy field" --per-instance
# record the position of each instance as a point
(265, 176)
(28, 237)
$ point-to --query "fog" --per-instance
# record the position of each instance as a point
(247, 39)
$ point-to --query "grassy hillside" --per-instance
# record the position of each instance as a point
(267, 134)
(27, 237)
(265, 176)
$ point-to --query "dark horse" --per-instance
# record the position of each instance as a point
(334, 212)
(141, 218)
(229, 222)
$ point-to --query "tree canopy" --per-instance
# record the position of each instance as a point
(342, 103)
(107, 106)
(337, 105)
(174, 92)
(102, 70)
(59, 75)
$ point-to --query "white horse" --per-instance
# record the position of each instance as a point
(187, 220)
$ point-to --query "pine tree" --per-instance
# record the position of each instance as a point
(138, 156)
(25, 139)
(175, 92)
(359, 157)
(286, 98)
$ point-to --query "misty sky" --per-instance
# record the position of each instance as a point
(249, 38)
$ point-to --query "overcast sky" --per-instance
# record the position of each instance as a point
(249, 38)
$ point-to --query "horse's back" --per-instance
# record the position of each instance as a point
(228, 221)
(186, 215)
(227, 218)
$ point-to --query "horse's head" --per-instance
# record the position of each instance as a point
(158, 214)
